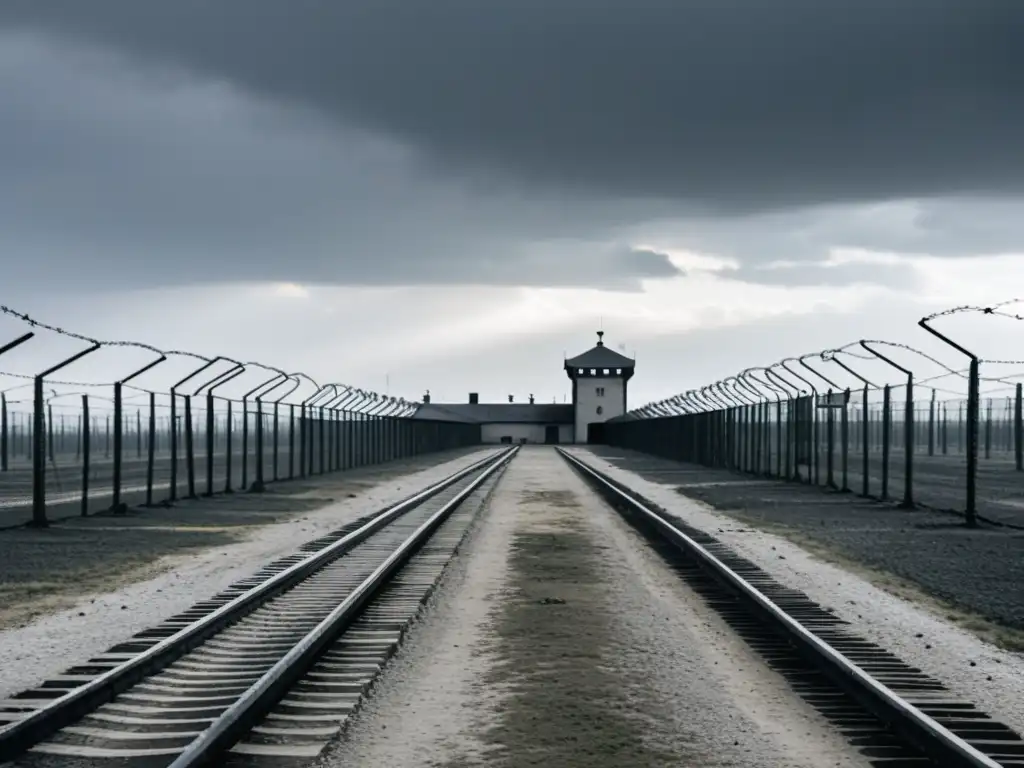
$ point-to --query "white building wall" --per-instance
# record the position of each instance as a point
(594, 393)
(534, 433)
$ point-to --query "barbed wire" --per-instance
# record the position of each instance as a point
(992, 309)
(829, 355)
(57, 381)
(31, 321)
(370, 398)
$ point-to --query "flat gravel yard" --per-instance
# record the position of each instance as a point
(940, 483)
(980, 571)
(44, 570)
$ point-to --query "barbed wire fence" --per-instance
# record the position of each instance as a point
(859, 419)
(70, 447)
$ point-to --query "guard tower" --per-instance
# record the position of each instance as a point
(599, 379)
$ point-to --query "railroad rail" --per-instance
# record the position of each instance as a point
(908, 703)
(191, 688)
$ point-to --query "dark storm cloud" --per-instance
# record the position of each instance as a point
(732, 104)
(118, 175)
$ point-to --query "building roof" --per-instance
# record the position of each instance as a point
(497, 413)
(600, 357)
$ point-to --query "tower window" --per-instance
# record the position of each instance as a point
(600, 391)
(600, 410)
(618, 371)
(606, 371)
(579, 371)
(593, 371)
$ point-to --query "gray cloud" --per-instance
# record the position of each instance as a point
(374, 142)
(733, 105)
(138, 177)
(898, 276)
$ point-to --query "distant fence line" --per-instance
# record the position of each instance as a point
(116, 444)
(793, 420)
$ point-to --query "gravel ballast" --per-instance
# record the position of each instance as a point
(980, 571)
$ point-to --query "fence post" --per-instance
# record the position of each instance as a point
(931, 425)
(886, 438)
(117, 506)
(323, 444)
(228, 430)
(39, 439)
(258, 483)
(988, 428)
(844, 433)
(245, 445)
(908, 446)
(973, 406)
(291, 441)
(830, 436)
(783, 469)
(173, 493)
(815, 437)
(3, 433)
(190, 449)
(118, 438)
(1018, 427)
(277, 432)
(151, 449)
(50, 445)
(85, 458)
(211, 447)
(303, 427)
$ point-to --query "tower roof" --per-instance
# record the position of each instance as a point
(600, 356)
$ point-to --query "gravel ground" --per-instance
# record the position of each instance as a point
(64, 482)
(931, 549)
(120, 575)
(983, 570)
(562, 639)
(939, 481)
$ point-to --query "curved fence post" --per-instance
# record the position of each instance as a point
(810, 435)
(865, 424)
(259, 485)
(831, 425)
(116, 506)
(973, 405)
(39, 519)
(173, 493)
(908, 428)
(211, 421)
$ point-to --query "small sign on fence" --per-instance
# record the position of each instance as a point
(834, 400)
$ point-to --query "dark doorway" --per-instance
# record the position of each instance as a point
(551, 435)
(595, 433)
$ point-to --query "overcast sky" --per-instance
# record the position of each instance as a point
(452, 195)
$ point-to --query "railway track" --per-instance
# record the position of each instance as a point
(893, 711)
(267, 671)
